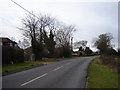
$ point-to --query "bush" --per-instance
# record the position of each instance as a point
(62, 52)
(110, 60)
(58, 52)
(12, 55)
(106, 59)
(27, 56)
(66, 52)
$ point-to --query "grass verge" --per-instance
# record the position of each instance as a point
(19, 66)
(49, 60)
(11, 68)
(101, 76)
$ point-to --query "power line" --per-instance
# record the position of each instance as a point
(24, 8)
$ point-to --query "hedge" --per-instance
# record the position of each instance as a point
(11, 55)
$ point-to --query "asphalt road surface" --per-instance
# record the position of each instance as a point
(63, 74)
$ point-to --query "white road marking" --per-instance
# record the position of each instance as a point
(34, 79)
(57, 68)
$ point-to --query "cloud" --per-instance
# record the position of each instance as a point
(90, 18)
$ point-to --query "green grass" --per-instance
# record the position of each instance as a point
(67, 58)
(22, 66)
(49, 60)
(101, 76)
(19, 66)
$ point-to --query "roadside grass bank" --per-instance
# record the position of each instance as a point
(112, 61)
(48, 60)
(67, 58)
(6, 69)
(101, 76)
(12, 68)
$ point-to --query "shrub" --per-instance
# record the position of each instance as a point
(66, 52)
(27, 56)
(12, 55)
(62, 52)
(58, 52)
(110, 60)
(106, 59)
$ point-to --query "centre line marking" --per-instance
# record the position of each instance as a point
(34, 79)
(57, 68)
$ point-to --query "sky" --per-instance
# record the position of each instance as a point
(91, 17)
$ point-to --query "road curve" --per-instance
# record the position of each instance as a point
(64, 74)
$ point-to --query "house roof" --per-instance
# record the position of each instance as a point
(28, 50)
(4, 39)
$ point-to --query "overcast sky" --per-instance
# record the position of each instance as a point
(90, 18)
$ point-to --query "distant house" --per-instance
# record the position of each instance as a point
(7, 42)
(75, 53)
(28, 50)
(11, 53)
(30, 56)
(78, 53)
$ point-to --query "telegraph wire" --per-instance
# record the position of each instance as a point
(24, 8)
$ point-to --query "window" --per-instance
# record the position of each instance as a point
(15, 45)
(11, 44)
(1, 43)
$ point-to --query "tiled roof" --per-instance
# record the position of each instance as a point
(4, 39)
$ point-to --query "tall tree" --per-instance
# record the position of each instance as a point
(30, 25)
(36, 28)
(47, 25)
(24, 43)
(52, 43)
(88, 51)
(81, 49)
(104, 43)
(63, 37)
(81, 44)
(44, 32)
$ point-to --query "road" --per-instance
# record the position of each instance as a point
(63, 74)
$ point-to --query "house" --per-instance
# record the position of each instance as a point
(11, 53)
(7, 42)
(30, 56)
(78, 53)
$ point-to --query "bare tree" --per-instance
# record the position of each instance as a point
(81, 44)
(24, 43)
(46, 22)
(47, 26)
(36, 28)
(45, 31)
(63, 35)
(30, 30)
(63, 38)
(30, 25)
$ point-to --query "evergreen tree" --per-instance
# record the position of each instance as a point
(81, 49)
(103, 43)
(88, 51)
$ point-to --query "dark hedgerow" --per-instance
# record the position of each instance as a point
(12, 55)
